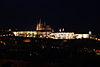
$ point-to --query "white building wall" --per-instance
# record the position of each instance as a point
(63, 35)
(58, 35)
(80, 36)
(25, 33)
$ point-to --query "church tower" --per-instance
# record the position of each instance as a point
(43, 26)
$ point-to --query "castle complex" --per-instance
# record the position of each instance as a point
(45, 31)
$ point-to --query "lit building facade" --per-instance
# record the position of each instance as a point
(53, 35)
(25, 33)
(43, 27)
(62, 35)
(80, 36)
(31, 34)
(45, 31)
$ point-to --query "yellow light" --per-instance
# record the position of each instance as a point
(98, 39)
(3, 35)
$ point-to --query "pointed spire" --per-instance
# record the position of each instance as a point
(59, 30)
(40, 21)
(38, 24)
(63, 29)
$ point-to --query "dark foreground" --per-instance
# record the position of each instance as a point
(83, 62)
(49, 53)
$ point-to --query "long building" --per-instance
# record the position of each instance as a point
(45, 31)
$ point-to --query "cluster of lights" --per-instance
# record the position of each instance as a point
(1, 42)
(53, 35)
(6, 35)
(47, 33)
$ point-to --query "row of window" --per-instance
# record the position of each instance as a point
(2, 35)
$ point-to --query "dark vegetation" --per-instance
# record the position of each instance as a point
(48, 52)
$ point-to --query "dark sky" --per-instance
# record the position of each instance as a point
(73, 15)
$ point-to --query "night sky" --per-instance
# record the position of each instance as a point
(73, 15)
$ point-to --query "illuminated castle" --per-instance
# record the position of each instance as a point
(43, 27)
(45, 31)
